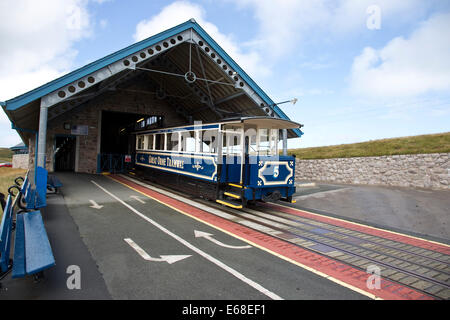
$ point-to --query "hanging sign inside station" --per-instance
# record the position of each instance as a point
(79, 130)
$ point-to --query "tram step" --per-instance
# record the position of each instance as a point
(236, 185)
(231, 204)
(232, 195)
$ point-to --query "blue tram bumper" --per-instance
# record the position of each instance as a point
(269, 194)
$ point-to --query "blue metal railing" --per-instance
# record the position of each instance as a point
(112, 162)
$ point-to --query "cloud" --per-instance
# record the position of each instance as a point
(37, 45)
(281, 27)
(37, 37)
(315, 65)
(103, 23)
(288, 24)
(406, 66)
(350, 15)
(181, 11)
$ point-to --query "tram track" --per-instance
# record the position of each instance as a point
(368, 238)
(349, 255)
(424, 270)
(392, 245)
(372, 244)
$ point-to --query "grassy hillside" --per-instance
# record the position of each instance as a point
(431, 143)
(5, 155)
(7, 176)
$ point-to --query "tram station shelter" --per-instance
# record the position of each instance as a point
(173, 78)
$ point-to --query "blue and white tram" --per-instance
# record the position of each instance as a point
(232, 162)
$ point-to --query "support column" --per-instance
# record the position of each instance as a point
(42, 135)
(284, 142)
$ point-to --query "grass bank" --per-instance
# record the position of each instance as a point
(7, 176)
(430, 143)
(5, 155)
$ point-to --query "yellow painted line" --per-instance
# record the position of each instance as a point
(364, 225)
(236, 196)
(235, 185)
(317, 272)
(229, 204)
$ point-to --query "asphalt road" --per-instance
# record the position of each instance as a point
(128, 276)
(424, 213)
(89, 220)
(93, 238)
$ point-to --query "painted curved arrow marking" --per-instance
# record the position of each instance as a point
(201, 234)
(169, 259)
(137, 199)
(95, 205)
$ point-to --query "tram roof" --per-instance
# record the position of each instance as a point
(169, 52)
(265, 122)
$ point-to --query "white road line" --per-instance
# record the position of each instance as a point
(211, 210)
(220, 264)
(320, 194)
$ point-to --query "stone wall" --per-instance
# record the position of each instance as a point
(419, 170)
(20, 161)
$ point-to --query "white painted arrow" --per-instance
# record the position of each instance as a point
(169, 259)
(95, 205)
(201, 234)
(138, 199)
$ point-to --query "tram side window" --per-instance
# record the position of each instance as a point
(150, 142)
(140, 142)
(232, 143)
(273, 141)
(264, 144)
(172, 141)
(209, 141)
(187, 141)
(268, 141)
(159, 143)
(252, 145)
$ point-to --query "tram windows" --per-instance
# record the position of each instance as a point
(268, 141)
(209, 141)
(187, 141)
(264, 144)
(172, 141)
(141, 123)
(159, 141)
(140, 142)
(149, 142)
(213, 145)
(273, 141)
(232, 143)
(152, 120)
(251, 142)
(145, 144)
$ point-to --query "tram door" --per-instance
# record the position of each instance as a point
(233, 150)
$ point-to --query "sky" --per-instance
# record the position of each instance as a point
(360, 69)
